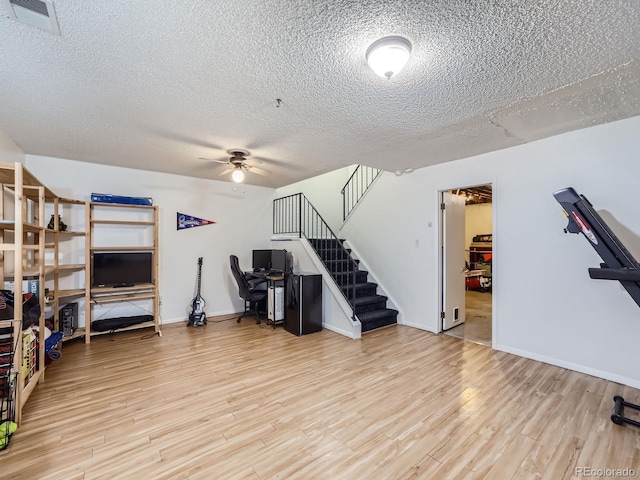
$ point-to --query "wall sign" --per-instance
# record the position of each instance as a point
(188, 221)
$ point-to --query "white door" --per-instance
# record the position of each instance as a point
(452, 260)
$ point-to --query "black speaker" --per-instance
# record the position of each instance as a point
(69, 319)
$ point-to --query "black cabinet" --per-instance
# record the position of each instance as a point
(304, 304)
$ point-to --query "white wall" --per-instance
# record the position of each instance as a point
(243, 222)
(324, 194)
(9, 151)
(545, 305)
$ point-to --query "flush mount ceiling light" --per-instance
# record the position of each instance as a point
(237, 175)
(388, 55)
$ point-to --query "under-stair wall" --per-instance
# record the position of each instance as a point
(336, 312)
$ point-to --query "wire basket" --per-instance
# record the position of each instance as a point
(7, 381)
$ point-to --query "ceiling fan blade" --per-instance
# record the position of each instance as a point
(213, 160)
(228, 170)
(257, 170)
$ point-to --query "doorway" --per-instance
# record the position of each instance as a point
(467, 233)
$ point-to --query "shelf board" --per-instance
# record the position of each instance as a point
(27, 227)
(121, 222)
(120, 205)
(70, 233)
(79, 333)
(121, 249)
(75, 266)
(71, 200)
(122, 297)
(107, 290)
(77, 292)
(33, 271)
(150, 324)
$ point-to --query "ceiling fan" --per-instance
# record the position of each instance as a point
(238, 162)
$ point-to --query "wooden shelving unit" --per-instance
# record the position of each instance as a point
(67, 251)
(22, 254)
(142, 222)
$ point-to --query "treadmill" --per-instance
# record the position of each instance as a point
(618, 264)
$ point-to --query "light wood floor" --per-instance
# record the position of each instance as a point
(229, 401)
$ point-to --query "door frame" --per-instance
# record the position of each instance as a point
(494, 263)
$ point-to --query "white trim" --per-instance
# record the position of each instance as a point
(632, 382)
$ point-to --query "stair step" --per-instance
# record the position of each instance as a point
(362, 289)
(346, 278)
(369, 303)
(333, 253)
(377, 319)
(326, 242)
(344, 265)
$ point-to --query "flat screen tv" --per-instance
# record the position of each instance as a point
(122, 269)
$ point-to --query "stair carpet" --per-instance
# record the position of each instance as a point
(370, 308)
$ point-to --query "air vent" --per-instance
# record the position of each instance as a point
(38, 13)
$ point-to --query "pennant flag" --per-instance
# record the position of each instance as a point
(187, 221)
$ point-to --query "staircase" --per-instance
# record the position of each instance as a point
(370, 308)
(355, 188)
(295, 214)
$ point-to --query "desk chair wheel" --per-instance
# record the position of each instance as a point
(238, 320)
(258, 322)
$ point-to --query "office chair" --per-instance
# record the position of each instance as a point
(247, 290)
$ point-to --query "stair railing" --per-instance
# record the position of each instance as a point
(295, 214)
(358, 183)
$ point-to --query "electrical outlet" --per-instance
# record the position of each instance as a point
(417, 242)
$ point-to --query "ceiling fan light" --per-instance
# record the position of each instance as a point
(237, 175)
(387, 56)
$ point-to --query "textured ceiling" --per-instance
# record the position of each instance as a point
(156, 84)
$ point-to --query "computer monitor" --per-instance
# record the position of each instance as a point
(261, 260)
(279, 260)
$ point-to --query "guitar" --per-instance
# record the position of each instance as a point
(197, 316)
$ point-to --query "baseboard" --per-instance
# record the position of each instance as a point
(418, 326)
(340, 331)
(631, 382)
